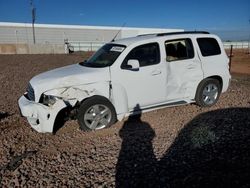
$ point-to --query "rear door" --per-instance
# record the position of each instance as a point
(184, 71)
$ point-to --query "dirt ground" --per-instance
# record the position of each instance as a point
(240, 61)
(185, 146)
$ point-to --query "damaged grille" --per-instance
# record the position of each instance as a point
(30, 93)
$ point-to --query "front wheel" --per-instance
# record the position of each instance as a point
(96, 113)
(208, 92)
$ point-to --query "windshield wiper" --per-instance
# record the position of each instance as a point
(86, 64)
(83, 62)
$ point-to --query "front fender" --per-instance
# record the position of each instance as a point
(120, 100)
(77, 93)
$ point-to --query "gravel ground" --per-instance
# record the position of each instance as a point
(185, 146)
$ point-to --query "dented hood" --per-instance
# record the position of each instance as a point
(68, 76)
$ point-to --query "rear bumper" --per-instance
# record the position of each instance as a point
(226, 83)
(40, 117)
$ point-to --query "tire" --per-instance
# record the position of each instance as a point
(96, 113)
(208, 92)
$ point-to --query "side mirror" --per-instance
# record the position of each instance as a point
(134, 63)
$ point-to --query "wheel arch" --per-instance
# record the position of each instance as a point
(96, 96)
(217, 77)
(88, 103)
(197, 99)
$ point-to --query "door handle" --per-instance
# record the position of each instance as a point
(156, 72)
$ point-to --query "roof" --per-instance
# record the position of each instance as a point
(129, 41)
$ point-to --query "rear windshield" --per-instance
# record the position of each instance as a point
(209, 46)
(105, 56)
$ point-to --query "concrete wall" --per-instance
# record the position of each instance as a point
(14, 33)
(52, 35)
(31, 49)
(17, 38)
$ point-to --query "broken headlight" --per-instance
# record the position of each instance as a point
(48, 100)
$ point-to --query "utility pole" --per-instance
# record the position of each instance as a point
(33, 13)
(249, 41)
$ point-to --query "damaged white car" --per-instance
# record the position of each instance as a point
(125, 76)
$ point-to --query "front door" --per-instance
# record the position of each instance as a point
(147, 85)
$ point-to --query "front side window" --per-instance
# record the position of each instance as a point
(208, 46)
(105, 56)
(179, 49)
(147, 54)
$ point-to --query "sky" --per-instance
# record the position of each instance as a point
(228, 18)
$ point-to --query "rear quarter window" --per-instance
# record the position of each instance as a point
(179, 49)
(208, 46)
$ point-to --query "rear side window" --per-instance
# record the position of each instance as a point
(179, 49)
(148, 54)
(208, 46)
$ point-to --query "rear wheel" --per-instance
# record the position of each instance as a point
(96, 113)
(208, 92)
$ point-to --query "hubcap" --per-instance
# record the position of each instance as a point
(97, 117)
(210, 94)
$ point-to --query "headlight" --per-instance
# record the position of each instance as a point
(48, 100)
(30, 93)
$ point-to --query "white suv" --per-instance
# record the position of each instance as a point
(129, 76)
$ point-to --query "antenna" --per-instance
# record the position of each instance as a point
(118, 32)
(33, 13)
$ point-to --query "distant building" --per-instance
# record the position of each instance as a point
(79, 37)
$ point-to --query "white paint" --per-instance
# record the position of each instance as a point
(46, 115)
(69, 76)
(148, 86)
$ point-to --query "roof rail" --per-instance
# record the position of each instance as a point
(149, 34)
(182, 32)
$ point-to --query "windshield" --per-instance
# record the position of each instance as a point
(105, 56)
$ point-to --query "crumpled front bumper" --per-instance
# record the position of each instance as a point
(40, 117)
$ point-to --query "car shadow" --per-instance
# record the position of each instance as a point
(212, 150)
(136, 163)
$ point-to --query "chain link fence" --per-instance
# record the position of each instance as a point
(237, 44)
(75, 46)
